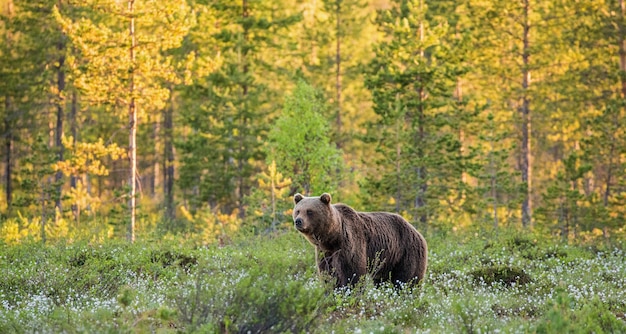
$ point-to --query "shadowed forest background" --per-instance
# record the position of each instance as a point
(202, 118)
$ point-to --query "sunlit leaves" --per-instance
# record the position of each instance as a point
(300, 145)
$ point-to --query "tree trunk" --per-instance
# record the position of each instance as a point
(132, 119)
(420, 199)
(458, 92)
(622, 47)
(338, 76)
(609, 174)
(8, 158)
(60, 105)
(74, 131)
(493, 179)
(156, 164)
(399, 185)
(525, 161)
(8, 128)
(168, 175)
(622, 69)
(241, 191)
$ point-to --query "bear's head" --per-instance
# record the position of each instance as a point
(314, 217)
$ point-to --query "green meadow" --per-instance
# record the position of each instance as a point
(513, 282)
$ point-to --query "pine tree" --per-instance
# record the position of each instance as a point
(498, 192)
(586, 108)
(8, 96)
(565, 207)
(228, 116)
(412, 83)
(34, 88)
(332, 44)
(38, 191)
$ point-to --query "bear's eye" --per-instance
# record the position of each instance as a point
(309, 212)
(297, 212)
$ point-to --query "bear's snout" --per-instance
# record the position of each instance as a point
(299, 222)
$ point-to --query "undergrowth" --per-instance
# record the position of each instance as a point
(511, 282)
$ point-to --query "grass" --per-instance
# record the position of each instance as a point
(510, 283)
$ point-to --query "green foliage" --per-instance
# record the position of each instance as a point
(270, 284)
(300, 145)
(38, 190)
(412, 79)
(565, 316)
(228, 108)
(423, 100)
(502, 275)
(497, 191)
(566, 206)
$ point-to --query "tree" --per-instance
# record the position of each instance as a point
(36, 189)
(125, 66)
(227, 109)
(31, 74)
(300, 145)
(269, 202)
(586, 112)
(564, 202)
(495, 183)
(412, 80)
(333, 42)
(84, 159)
(8, 95)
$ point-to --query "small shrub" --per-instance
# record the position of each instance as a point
(501, 274)
(555, 253)
(521, 242)
(168, 257)
(593, 317)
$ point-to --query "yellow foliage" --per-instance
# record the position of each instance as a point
(80, 197)
(10, 232)
(214, 226)
(86, 158)
(274, 187)
(57, 227)
(13, 231)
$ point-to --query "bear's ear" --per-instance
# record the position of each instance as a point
(325, 198)
(297, 198)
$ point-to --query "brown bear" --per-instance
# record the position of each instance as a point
(352, 243)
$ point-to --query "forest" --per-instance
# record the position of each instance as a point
(150, 151)
(122, 118)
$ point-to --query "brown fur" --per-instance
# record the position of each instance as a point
(354, 243)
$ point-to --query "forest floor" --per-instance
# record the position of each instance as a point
(512, 282)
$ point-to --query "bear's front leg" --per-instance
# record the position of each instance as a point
(324, 264)
(349, 267)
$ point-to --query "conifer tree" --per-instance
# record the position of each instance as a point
(333, 42)
(498, 194)
(412, 83)
(34, 85)
(585, 113)
(37, 191)
(229, 112)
